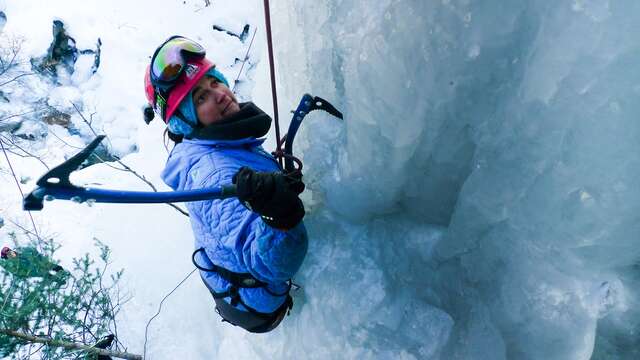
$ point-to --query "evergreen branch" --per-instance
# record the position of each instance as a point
(69, 345)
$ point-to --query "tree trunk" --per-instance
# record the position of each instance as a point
(69, 345)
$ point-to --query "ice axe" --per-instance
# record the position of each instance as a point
(307, 104)
(55, 184)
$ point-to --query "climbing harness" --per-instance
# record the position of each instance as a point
(237, 280)
(253, 321)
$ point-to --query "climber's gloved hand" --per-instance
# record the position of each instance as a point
(294, 179)
(273, 195)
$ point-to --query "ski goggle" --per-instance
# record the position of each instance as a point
(170, 60)
(168, 63)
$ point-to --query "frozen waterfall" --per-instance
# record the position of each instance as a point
(478, 202)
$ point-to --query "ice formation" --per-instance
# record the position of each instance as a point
(478, 202)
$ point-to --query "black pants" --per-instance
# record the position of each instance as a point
(252, 321)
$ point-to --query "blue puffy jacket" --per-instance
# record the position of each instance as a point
(232, 236)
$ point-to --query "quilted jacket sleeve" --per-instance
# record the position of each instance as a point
(245, 243)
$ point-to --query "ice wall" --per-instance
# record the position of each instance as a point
(478, 201)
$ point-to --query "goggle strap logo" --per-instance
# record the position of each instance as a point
(161, 105)
(190, 70)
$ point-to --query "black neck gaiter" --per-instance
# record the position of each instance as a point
(250, 121)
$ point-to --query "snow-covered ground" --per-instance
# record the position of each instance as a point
(478, 202)
(152, 243)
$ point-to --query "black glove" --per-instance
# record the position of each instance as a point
(273, 195)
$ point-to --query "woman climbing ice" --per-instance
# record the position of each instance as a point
(247, 248)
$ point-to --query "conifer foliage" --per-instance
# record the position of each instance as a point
(74, 306)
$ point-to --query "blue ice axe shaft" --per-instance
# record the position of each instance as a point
(55, 183)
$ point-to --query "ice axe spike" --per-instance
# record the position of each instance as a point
(307, 104)
(319, 103)
(58, 177)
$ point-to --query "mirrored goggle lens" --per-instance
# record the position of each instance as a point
(171, 58)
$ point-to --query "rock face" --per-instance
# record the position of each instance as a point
(9, 123)
(56, 117)
(31, 130)
(3, 97)
(63, 54)
(242, 36)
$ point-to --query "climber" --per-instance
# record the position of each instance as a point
(247, 248)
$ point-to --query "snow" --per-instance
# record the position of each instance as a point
(512, 129)
(477, 202)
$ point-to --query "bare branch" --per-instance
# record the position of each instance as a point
(64, 142)
(11, 50)
(141, 177)
(16, 78)
(31, 353)
(28, 154)
(85, 119)
(127, 168)
(16, 115)
(25, 230)
(15, 177)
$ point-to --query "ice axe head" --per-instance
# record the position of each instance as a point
(58, 177)
(318, 103)
(307, 104)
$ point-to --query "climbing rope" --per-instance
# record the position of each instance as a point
(246, 57)
(146, 329)
(267, 19)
